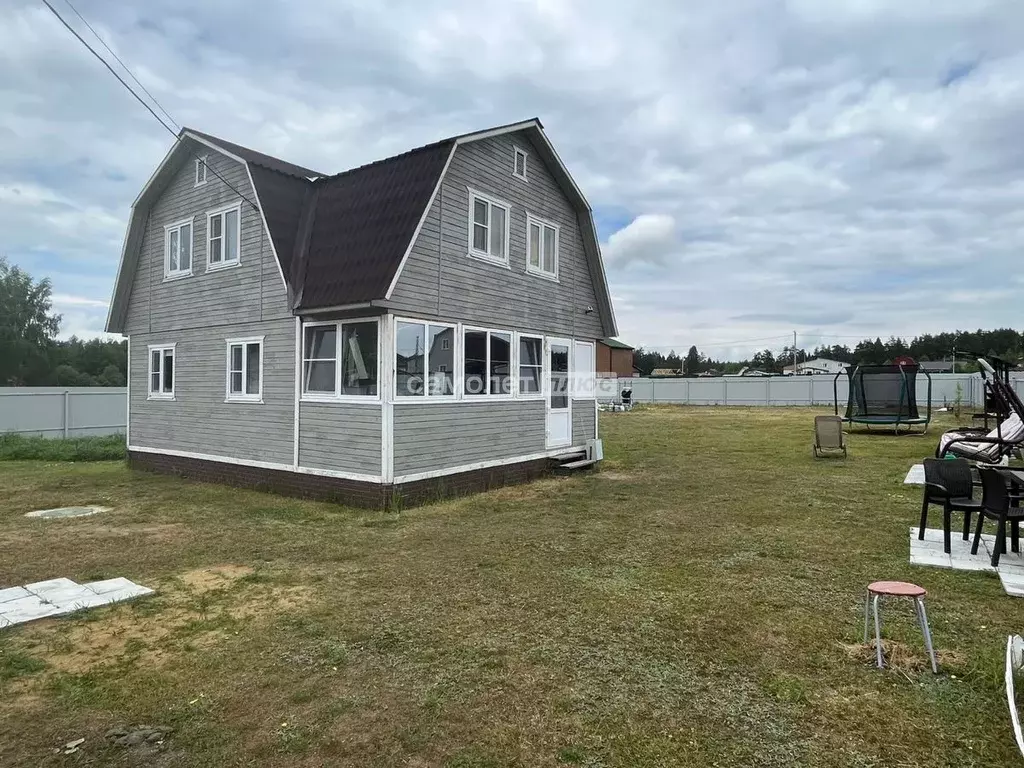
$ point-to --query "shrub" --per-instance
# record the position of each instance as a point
(15, 447)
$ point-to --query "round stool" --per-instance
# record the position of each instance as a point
(879, 589)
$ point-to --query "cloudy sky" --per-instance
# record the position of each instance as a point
(840, 168)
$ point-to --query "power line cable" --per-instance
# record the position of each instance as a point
(123, 65)
(142, 101)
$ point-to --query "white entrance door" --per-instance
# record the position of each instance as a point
(559, 403)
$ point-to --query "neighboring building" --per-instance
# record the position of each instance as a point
(747, 373)
(614, 357)
(405, 329)
(817, 365)
(666, 372)
(937, 366)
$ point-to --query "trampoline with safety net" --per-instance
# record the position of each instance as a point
(884, 396)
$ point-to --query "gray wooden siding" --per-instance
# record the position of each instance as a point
(198, 420)
(251, 292)
(442, 435)
(341, 436)
(441, 280)
(583, 421)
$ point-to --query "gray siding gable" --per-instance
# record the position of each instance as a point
(441, 280)
(251, 292)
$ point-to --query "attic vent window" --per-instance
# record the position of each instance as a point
(519, 164)
(200, 171)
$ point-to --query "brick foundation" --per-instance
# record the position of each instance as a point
(355, 493)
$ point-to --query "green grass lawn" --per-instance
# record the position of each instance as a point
(697, 602)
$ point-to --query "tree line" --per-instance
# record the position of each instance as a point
(966, 346)
(30, 353)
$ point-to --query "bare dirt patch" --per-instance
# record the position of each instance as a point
(900, 656)
(214, 577)
(151, 634)
(613, 475)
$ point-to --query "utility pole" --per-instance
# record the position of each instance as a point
(794, 353)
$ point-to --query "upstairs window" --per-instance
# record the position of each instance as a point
(161, 372)
(542, 247)
(488, 228)
(178, 249)
(223, 232)
(519, 163)
(424, 359)
(340, 359)
(531, 365)
(245, 370)
(487, 363)
(200, 171)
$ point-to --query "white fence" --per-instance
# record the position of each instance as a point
(63, 411)
(786, 390)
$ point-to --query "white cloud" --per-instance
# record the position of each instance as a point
(649, 239)
(840, 169)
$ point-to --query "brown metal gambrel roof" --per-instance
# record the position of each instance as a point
(342, 240)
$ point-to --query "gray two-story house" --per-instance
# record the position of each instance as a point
(421, 325)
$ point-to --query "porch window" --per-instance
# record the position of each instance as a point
(487, 363)
(531, 365)
(424, 359)
(340, 359)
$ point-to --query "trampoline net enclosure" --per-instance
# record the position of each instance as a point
(883, 394)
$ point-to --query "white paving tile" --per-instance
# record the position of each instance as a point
(41, 588)
(128, 593)
(1013, 584)
(940, 560)
(56, 597)
(13, 593)
(67, 596)
(915, 476)
(87, 599)
(109, 585)
(929, 552)
(28, 609)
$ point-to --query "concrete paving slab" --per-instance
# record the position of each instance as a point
(109, 585)
(13, 593)
(28, 609)
(41, 588)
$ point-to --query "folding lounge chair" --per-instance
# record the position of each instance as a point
(828, 435)
(990, 448)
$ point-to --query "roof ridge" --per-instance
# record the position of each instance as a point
(364, 166)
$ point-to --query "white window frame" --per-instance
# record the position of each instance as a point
(201, 163)
(474, 196)
(243, 397)
(516, 152)
(337, 396)
(539, 395)
(210, 215)
(513, 368)
(161, 348)
(176, 226)
(539, 270)
(427, 397)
